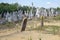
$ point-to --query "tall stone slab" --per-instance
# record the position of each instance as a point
(24, 24)
(20, 15)
(15, 16)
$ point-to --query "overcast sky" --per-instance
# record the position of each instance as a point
(37, 3)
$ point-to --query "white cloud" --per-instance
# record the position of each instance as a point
(48, 3)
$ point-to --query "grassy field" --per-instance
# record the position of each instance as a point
(34, 31)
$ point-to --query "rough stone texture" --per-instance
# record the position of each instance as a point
(24, 24)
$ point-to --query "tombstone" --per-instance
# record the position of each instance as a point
(45, 13)
(20, 15)
(14, 16)
(37, 13)
(24, 24)
(27, 13)
(49, 13)
(4, 15)
(8, 17)
(52, 12)
(56, 13)
(30, 15)
(41, 12)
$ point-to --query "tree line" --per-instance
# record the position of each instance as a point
(5, 7)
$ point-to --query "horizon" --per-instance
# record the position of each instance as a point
(36, 3)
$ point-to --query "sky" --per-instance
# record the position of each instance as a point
(36, 3)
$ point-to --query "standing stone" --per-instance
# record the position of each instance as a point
(49, 13)
(52, 12)
(15, 16)
(42, 23)
(25, 13)
(20, 15)
(8, 17)
(30, 15)
(56, 13)
(24, 24)
(45, 13)
(37, 13)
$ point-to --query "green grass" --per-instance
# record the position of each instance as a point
(48, 29)
(9, 25)
(56, 18)
(30, 38)
(39, 38)
(52, 29)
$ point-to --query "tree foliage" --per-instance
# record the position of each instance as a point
(58, 8)
(4, 7)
